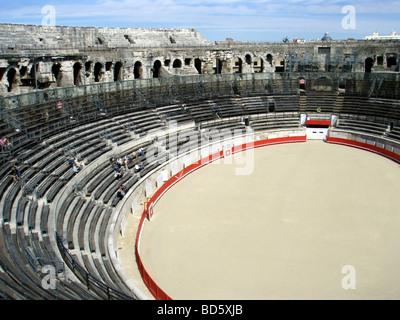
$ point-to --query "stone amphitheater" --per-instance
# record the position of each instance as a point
(36, 57)
(95, 94)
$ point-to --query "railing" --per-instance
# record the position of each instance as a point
(245, 80)
(92, 283)
(380, 145)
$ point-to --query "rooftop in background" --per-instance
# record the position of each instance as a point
(375, 36)
(326, 37)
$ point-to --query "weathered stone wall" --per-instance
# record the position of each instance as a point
(35, 57)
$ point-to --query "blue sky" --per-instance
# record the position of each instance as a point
(251, 20)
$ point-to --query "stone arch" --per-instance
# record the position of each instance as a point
(34, 70)
(198, 65)
(77, 74)
(88, 68)
(258, 65)
(369, 62)
(23, 71)
(156, 68)
(237, 65)
(57, 73)
(269, 59)
(248, 59)
(11, 78)
(138, 70)
(118, 71)
(218, 65)
(177, 63)
(98, 71)
(391, 61)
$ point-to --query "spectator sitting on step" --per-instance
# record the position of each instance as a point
(78, 163)
(127, 160)
(118, 174)
(141, 151)
(4, 141)
(75, 168)
(139, 166)
(117, 168)
(121, 192)
(15, 172)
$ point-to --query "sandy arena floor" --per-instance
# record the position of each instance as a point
(283, 232)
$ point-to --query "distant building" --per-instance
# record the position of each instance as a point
(375, 36)
(326, 37)
(297, 40)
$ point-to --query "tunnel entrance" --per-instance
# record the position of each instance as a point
(156, 69)
(369, 62)
(391, 61)
(138, 70)
(56, 70)
(11, 78)
(77, 74)
(98, 72)
(118, 71)
(197, 65)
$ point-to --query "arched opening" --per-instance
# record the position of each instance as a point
(77, 74)
(197, 65)
(138, 70)
(33, 72)
(23, 71)
(391, 61)
(88, 68)
(156, 68)
(11, 78)
(342, 84)
(238, 66)
(258, 65)
(269, 59)
(118, 71)
(218, 66)
(98, 72)
(369, 62)
(280, 65)
(177, 63)
(24, 76)
(248, 59)
(57, 73)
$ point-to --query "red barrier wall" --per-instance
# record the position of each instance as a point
(365, 146)
(318, 122)
(155, 290)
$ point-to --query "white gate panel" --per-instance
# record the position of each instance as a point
(317, 133)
